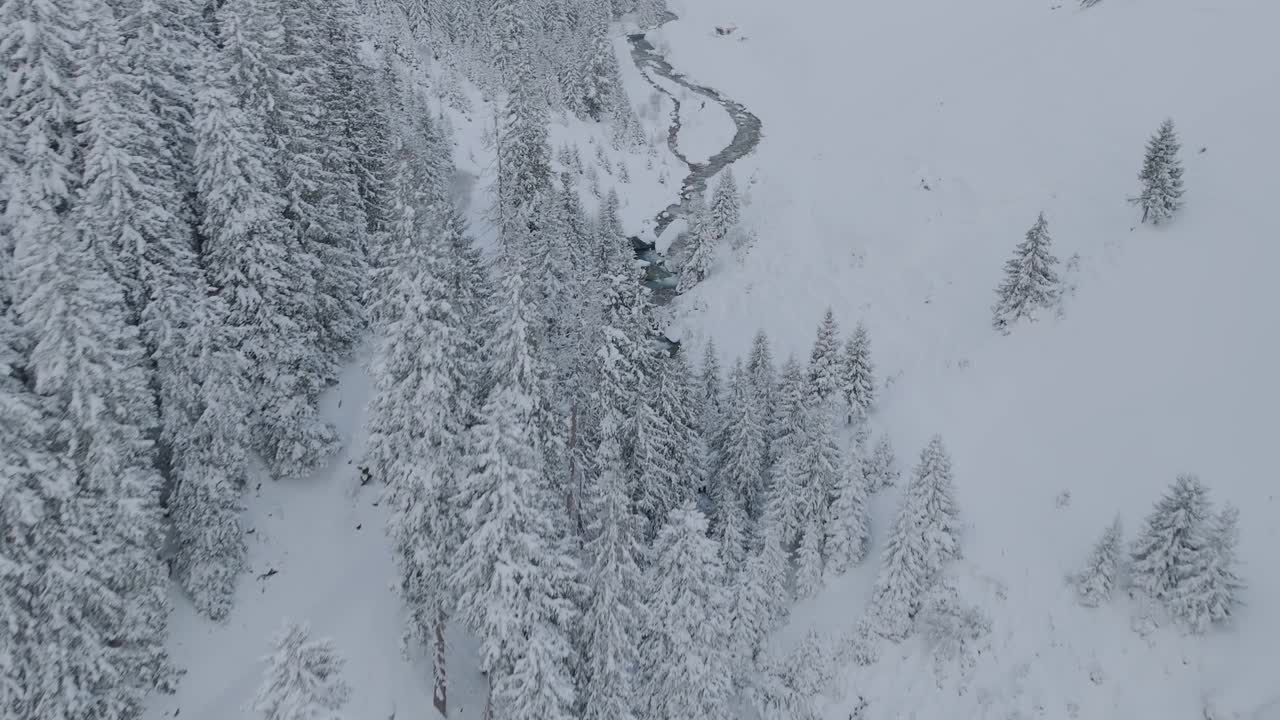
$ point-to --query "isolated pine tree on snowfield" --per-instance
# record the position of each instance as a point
(1030, 279)
(303, 679)
(1094, 584)
(1161, 176)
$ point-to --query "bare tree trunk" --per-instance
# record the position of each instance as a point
(440, 691)
(488, 701)
(573, 493)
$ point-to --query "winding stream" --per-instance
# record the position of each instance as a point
(745, 139)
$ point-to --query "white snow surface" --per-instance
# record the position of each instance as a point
(1164, 361)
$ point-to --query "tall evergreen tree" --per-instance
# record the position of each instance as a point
(701, 246)
(848, 531)
(881, 469)
(1168, 551)
(761, 374)
(824, 360)
(1185, 556)
(38, 40)
(711, 403)
(1099, 576)
(805, 479)
(684, 650)
(90, 361)
(44, 549)
(303, 680)
(420, 408)
(251, 256)
(1031, 281)
(738, 487)
(524, 157)
(857, 382)
(210, 466)
(1161, 176)
(725, 205)
(789, 401)
(611, 620)
(924, 537)
(512, 567)
(1217, 595)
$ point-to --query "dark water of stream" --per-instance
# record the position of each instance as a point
(658, 278)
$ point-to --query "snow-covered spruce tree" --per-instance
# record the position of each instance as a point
(725, 208)
(1174, 541)
(1161, 176)
(684, 647)
(1095, 582)
(824, 361)
(711, 405)
(673, 401)
(1186, 558)
(760, 596)
(738, 486)
(210, 464)
(524, 157)
(37, 132)
(848, 531)
(805, 476)
(303, 680)
(251, 250)
(320, 170)
(136, 150)
(90, 362)
(612, 572)
(44, 554)
(1215, 595)
(1030, 279)
(925, 536)
(420, 406)
(881, 469)
(514, 572)
(857, 382)
(701, 245)
(760, 374)
(788, 401)
(592, 87)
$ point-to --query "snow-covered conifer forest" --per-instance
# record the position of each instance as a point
(638, 360)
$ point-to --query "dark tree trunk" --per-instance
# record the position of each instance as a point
(440, 691)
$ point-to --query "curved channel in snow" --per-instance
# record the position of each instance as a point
(745, 138)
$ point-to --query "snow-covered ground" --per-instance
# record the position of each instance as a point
(907, 148)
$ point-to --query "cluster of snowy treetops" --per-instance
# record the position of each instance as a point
(203, 206)
(565, 53)
(1184, 558)
(587, 504)
(1031, 280)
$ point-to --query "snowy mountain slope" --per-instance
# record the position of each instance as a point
(1162, 363)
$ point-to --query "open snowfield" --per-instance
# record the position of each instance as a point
(1163, 363)
(1164, 360)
